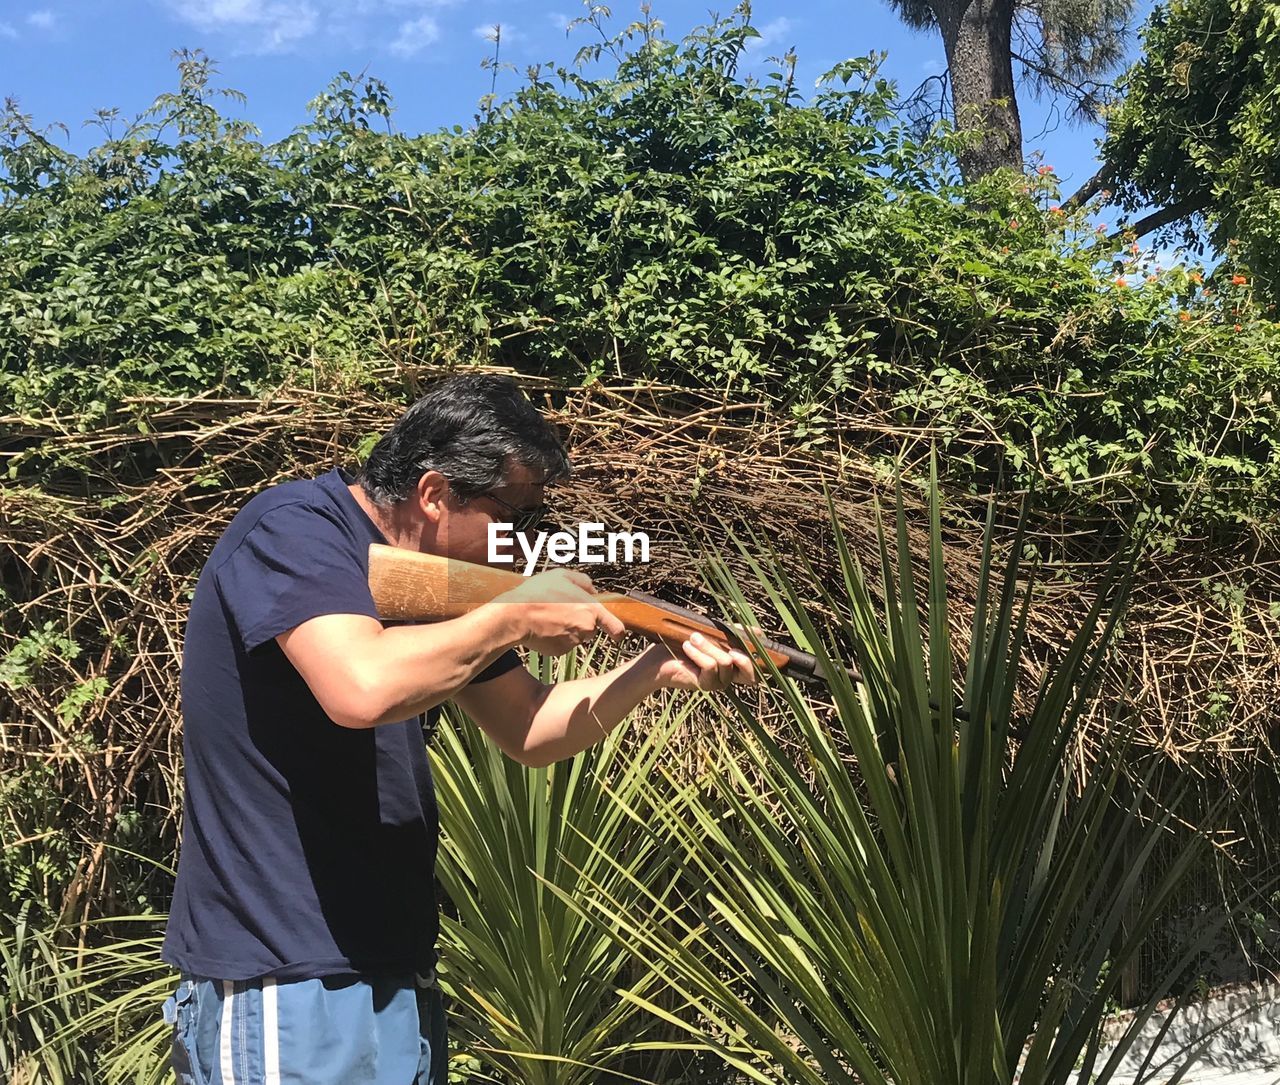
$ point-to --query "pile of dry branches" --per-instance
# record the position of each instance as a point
(104, 549)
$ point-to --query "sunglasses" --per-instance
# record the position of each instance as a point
(521, 519)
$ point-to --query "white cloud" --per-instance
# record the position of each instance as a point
(489, 32)
(374, 7)
(770, 34)
(42, 19)
(415, 35)
(558, 19)
(262, 28)
(272, 26)
(7, 31)
(932, 66)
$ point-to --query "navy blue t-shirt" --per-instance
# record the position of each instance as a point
(308, 849)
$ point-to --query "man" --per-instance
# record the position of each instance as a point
(304, 918)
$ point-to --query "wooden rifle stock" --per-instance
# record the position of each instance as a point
(411, 586)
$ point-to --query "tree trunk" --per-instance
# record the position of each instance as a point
(977, 37)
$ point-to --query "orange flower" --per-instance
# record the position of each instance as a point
(1184, 317)
(1056, 209)
(1196, 277)
(1121, 283)
(1239, 328)
(1134, 248)
(1043, 170)
(1013, 224)
(1238, 280)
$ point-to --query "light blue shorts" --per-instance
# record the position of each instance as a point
(339, 1030)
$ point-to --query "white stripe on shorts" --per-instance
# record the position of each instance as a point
(270, 1033)
(226, 1065)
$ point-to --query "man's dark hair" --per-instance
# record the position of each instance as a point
(472, 428)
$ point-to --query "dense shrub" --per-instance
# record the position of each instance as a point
(672, 220)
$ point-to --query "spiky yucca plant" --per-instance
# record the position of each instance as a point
(534, 980)
(34, 1006)
(79, 1014)
(930, 897)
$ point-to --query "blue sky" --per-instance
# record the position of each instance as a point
(64, 59)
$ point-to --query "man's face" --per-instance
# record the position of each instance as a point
(463, 531)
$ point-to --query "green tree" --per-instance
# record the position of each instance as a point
(1059, 47)
(1197, 136)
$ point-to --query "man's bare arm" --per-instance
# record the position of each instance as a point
(537, 724)
(364, 675)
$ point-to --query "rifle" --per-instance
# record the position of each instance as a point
(411, 586)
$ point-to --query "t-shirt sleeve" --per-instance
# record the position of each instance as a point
(293, 564)
(509, 660)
